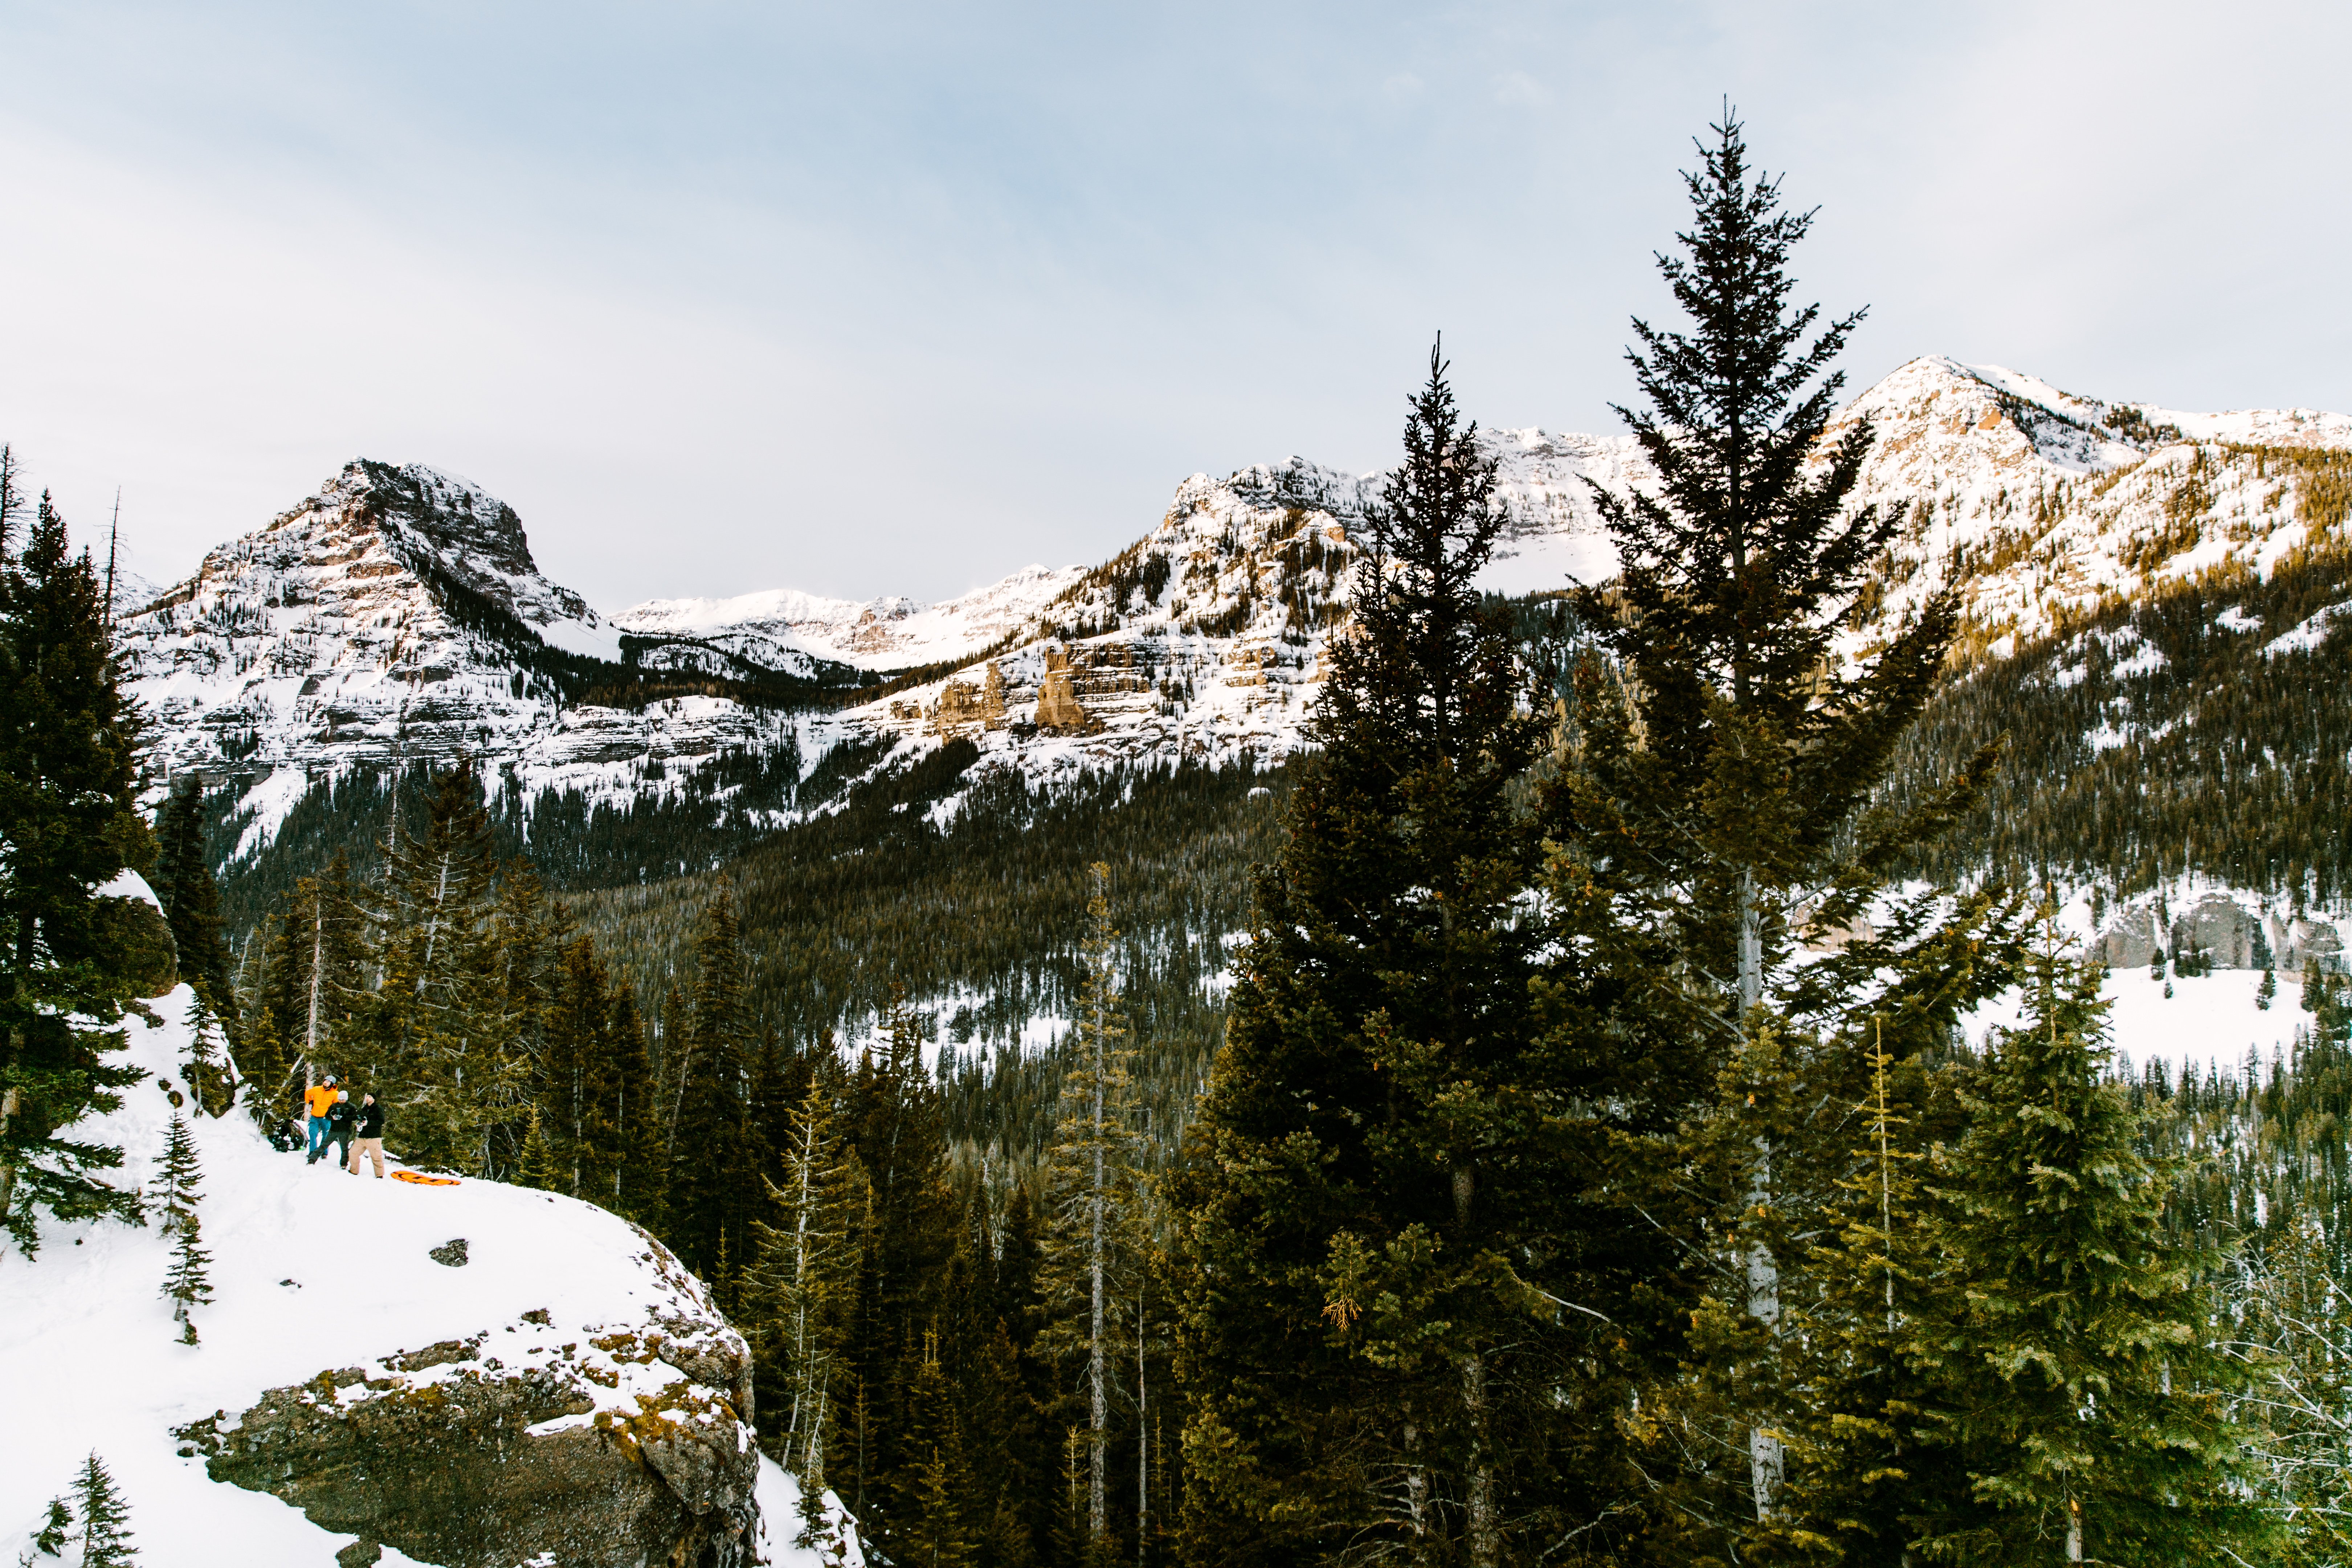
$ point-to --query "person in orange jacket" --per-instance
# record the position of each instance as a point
(318, 1100)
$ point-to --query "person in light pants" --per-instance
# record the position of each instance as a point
(368, 1135)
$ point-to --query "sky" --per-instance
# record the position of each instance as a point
(897, 299)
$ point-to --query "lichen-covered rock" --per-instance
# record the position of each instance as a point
(530, 1445)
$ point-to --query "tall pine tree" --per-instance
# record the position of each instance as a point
(1399, 1299)
(69, 824)
(1721, 764)
(715, 1192)
(184, 883)
(105, 1517)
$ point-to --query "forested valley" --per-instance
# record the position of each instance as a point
(1454, 1146)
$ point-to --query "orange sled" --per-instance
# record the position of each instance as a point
(424, 1180)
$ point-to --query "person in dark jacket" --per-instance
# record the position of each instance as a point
(338, 1126)
(370, 1128)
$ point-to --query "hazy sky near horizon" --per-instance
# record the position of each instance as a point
(868, 300)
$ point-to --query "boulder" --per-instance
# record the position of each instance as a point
(457, 1458)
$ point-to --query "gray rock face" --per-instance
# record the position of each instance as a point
(2220, 928)
(455, 1458)
(2129, 942)
(2315, 943)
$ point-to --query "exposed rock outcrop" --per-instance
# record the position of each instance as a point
(1058, 711)
(2130, 939)
(454, 1456)
(2220, 928)
(964, 708)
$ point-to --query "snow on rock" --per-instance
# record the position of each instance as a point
(395, 615)
(568, 1389)
(2038, 504)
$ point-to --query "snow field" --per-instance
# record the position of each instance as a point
(2209, 1019)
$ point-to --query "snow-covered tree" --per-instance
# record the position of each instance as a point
(178, 1175)
(207, 1071)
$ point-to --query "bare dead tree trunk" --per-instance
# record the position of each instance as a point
(1142, 1440)
(1484, 1522)
(317, 964)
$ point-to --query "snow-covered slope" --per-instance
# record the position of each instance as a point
(1205, 639)
(314, 1271)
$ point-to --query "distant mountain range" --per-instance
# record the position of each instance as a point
(397, 615)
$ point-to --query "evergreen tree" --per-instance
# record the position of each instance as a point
(105, 1518)
(904, 1241)
(69, 824)
(1093, 1187)
(191, 898)
(207, 1071)
(714, 1189)
(1719, 798)
(300, 1020)
(187, 1281)
(50, 1538)
(801, 1291)
(178, 1175)
(937, 1538)
(438, 1024)
(2268, 990)
(596, 1114)
(1397, 1252)
(2077, 1382)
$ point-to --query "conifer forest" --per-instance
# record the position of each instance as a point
(1457, 1143)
